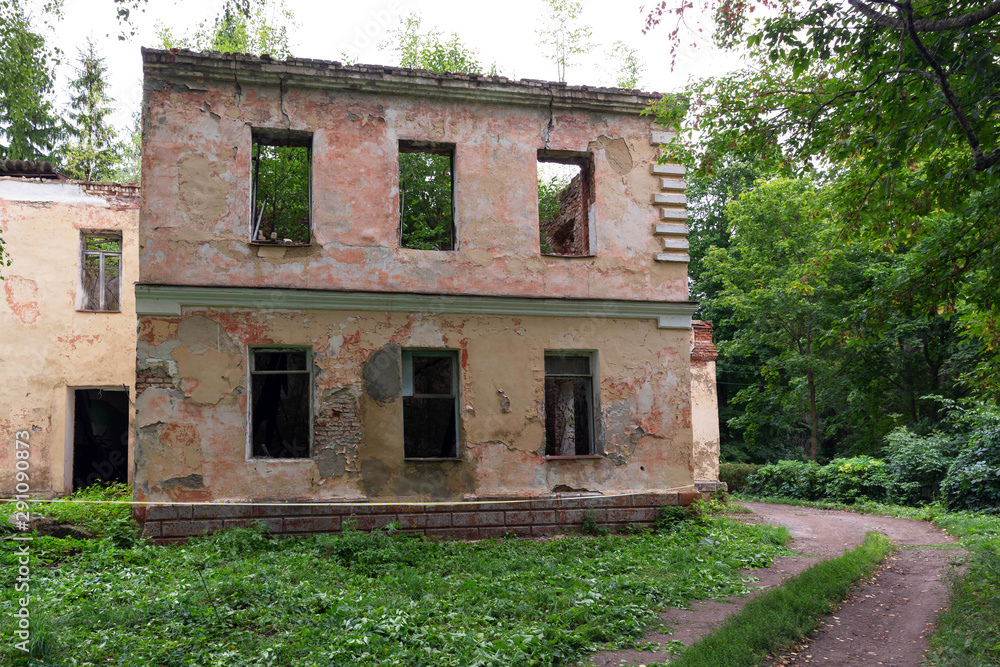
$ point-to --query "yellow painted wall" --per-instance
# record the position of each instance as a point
(47, 346)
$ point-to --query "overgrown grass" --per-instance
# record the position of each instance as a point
(241, 597)
(968, 632)
(776, 620)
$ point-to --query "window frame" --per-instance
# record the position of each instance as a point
(308, 349)
(279, 137)
(409, 146)
(585, 161)
(406, 377)
(104, 236)
(595, 402)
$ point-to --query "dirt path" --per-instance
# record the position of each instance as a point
(884, 623)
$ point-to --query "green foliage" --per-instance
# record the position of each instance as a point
(240, 598)
(777, 620)
(853, 479)
(92, 153)
(791, 479)
(29, 128)
(432, 50)
(735, 475)
(916, 464)
(243, 26)
(425, 201)
(562, 36)
(550, 191)
(282, 191)
(591, 526)
(973, 480)
(629, 67)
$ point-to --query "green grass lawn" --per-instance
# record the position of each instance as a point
(243, 598)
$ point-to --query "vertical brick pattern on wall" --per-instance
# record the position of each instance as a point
(702, 349)
(538, 517)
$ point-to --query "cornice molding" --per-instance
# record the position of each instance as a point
(169, 300)
(197, 68)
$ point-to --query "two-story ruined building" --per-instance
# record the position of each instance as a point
(346, 293)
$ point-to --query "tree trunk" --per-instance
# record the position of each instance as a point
(814, 437)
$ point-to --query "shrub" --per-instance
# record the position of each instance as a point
(917, 464)
(854, 479)
(792, 479)
(973, 480)
(735, 475)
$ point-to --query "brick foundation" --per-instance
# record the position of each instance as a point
(470, 521)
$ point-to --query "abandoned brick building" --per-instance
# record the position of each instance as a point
(67, 317)
(346, 296)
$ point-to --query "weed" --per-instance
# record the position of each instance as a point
(590, 525)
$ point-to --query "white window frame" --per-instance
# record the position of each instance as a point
(100, 236)
(595, 392)
(311, 399)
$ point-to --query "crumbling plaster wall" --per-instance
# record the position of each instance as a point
(704, 403)
(196, 199)
(46, 345)
(191, 441)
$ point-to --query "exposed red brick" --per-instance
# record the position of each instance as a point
(181, 528)
(477, 519)
(312, 524)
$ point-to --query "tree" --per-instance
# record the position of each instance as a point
(243, 26)
(629, 67)
(857, 80)
(431, 50)
(29, 128)
(92, 154)
(562, 36)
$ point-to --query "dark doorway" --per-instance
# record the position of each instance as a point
(100, 437)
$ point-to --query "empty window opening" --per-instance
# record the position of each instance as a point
(569, 404)
(281, 176)
(430, 408)
(102, 268)
(426, 196)
(280, 405)
(565, 195)
(100, 437)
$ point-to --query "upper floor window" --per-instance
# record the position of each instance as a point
(565, 196)
(430, 404)
(569, 403)
(101, 271)
(280, 402)
(281, 182)
(426, 195)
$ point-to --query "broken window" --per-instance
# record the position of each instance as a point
(102, 268)
(426, 196)
(430, 406)
(565, 196)
(280, 403)
(569, 404)
(281, 175)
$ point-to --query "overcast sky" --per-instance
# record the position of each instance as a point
(502, 33)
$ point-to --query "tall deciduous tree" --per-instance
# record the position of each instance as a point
(93, 151)
(431, 49)
(29, 128)
(563, 36)
(243, 26)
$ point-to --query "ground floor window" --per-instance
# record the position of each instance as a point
(569, 403)
(280, 402)
(430, 405)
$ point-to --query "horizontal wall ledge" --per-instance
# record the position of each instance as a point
(662, 199)
(675, 244)
(667, 228)
(672, 184)
(169, 300)
(662, 138)
(669, 169)
(672, 257)
(674, 213)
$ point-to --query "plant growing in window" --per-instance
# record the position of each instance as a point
(426, 196)
(565, 195)
(281, 181)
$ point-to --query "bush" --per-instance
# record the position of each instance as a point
(973, 480)
(853, 480)
(735, 475)
(917, 464)
(792, 479)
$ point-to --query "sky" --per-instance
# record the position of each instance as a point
(503, 33)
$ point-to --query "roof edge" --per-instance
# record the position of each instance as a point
(327, 74)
